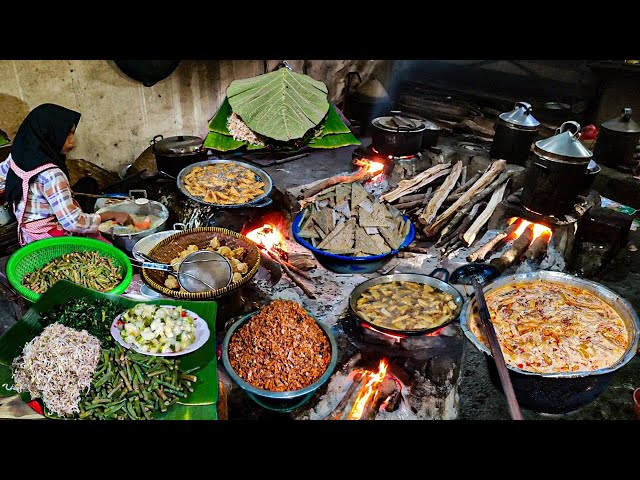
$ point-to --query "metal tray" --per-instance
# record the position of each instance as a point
(261, 201)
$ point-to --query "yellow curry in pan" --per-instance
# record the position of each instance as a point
(405, 306)
(550, 327)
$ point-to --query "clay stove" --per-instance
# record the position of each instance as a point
(420, 380)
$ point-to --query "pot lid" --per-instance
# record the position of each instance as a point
(623, 123)
(520, 116)
(398, 122)
(565, 145)
(178, 145)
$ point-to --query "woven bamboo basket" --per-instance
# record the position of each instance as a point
(170, 247)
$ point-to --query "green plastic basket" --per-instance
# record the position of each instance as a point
(38, 253)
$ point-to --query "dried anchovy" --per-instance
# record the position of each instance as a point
(89, 269)
(281, 348)
(57, 366)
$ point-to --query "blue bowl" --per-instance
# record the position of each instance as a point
(349, 264)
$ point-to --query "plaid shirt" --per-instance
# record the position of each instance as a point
(50, 195)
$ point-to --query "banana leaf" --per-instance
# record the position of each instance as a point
(282, 105)
(218, 123)
(189, 412)
(334, 141)
(3, 141)
(333, 123)
(6, 379)
(222, 143)
(205, 391)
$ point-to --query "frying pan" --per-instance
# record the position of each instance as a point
(430, 279)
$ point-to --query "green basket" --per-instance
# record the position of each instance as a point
(38, 253)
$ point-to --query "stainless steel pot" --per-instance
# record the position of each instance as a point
(566, 391)
(430, 279)
(120, 236)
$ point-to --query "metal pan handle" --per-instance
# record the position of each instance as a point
(443, 271)
(156, 139)
(179, 226)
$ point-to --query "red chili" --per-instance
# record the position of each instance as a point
(183, 313)
(520, 365)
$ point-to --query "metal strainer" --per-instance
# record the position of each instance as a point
(200, 271)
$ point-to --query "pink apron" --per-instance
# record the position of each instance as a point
(45, 227)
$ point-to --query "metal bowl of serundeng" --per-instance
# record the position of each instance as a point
(349, 264)
(562, 392)
(282, 401)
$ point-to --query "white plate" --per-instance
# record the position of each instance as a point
(202, 335)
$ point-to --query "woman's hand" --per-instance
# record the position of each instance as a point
(121, 218)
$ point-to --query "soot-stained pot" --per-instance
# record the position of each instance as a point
(174, 153)
(397, 135)
(617, 141)
(555, 177)
(515, 132)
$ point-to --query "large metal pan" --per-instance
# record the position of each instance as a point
(563, 392)
(430, 279)
(260, 201)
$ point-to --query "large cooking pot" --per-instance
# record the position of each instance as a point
(515, 132)
(555, 177)
(174, 153)
(566, 391)
(617, 141)
(397, 135)
(430, 279)
(121, 237)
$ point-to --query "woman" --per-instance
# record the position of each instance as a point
(35, 179)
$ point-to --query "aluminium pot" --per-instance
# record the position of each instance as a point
(125, 240)
(430, 279)
(174, 153)
(558, 393)
(617, 141)
(555, 176)
(397, 135)
(515, 132)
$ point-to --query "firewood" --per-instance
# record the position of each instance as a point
(359, 380)
(413, 249)
(463, 225)
(360, 175)
(458, 192)
(463, 177)
(489, 176)
(483, 218)
(452, 247)
(538, 247)
(422, 179)
(519, 246)
(409, 198)
(298, 282)
(422, 199)
(430, 212)
(383, 391)
(496, 242)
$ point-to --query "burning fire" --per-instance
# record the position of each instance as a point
(538, 229)
(268, 236)
(371, 167)
(368, 390)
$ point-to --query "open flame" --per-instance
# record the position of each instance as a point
(372, 167)
(269, 237)
(538, 228)
(368, 390)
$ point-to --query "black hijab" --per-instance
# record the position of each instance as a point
(39, 140)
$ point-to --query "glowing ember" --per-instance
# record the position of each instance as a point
(267, 236)
(371, 167)
(368, 390)
(541, 230)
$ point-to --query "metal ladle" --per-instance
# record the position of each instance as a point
(200, 271)
(478, 274)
